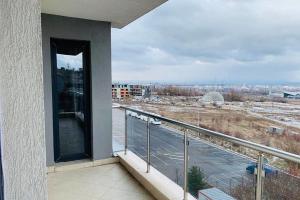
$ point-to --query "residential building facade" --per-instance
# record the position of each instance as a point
(123, 91)
(120, 91)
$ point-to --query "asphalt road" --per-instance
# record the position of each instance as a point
(223, 169)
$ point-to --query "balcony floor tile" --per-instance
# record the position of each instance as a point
(107, 182)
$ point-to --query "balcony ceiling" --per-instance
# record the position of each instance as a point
(119, 12)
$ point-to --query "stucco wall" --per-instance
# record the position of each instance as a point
(22, 100)
(99, 34)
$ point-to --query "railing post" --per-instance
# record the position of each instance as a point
(126, 134)
(259, 177)
(185, 186)
(148, 144)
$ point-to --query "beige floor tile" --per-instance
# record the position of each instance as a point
(107, 182)
(125, 195)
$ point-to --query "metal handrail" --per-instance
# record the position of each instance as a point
(251, 145)
(261, 149)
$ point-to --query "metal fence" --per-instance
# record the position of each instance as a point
(261, 149)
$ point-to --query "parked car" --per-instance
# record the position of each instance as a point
(152, 120)
(132, 114)
(144, 118)
(155, 121)
(268, 170)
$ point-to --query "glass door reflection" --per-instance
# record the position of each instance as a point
(71, 103)
(72, 132)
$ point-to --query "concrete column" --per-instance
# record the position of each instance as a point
(21, 101)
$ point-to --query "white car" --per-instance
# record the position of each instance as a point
(155, 121)
(152, 120)
(132, 114)
(144, 118)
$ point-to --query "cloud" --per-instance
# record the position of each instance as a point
(211, 41)
(69, 61)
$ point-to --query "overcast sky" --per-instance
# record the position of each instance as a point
(211, 41)
(69, 61)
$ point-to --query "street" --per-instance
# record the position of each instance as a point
(222, 169)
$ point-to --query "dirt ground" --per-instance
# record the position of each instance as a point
(233, 122)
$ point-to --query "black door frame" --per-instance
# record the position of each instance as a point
(57, 45)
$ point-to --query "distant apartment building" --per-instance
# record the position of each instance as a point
(121, 91)
(136, 90)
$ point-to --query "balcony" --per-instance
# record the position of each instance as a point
(104, 182)
(166, 160)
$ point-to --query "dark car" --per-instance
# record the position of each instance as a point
(268, 170)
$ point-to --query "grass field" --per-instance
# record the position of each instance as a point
(237, 123)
